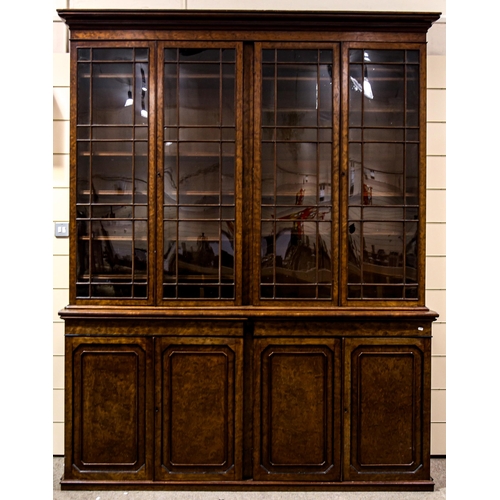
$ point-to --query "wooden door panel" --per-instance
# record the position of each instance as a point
(387, 421)
(108, 398)
(297, 418)
(198, 412)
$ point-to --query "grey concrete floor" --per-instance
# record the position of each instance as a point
(438, 472)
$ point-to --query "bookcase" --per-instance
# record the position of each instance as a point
(247, 253)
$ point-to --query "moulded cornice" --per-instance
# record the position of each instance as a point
(405, 22)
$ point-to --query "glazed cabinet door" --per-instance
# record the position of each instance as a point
(384, 174)
(199, 173)
(112, 150)
(108, 410)
(387, 409)
(198, 408)
(296, 173)
(297, 409)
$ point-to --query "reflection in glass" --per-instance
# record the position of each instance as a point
(296, 182)
(383, 174)
(199, 173)
(112, 173)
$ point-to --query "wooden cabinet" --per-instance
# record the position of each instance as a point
(247, 253)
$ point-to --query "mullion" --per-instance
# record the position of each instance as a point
(178, 177)
(318, 150)
(405, 123)
(275, 165)
(362, 169)
(219, 265)
(91, 164)
(133, 178)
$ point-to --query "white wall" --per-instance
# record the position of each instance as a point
(436, 176)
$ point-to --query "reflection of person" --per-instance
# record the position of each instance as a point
(205, 252)
(299, 197)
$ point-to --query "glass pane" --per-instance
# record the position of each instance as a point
(112, 133)
(383, 257)
(228, 94)
(112, 248)
(355, 95)
(355, 174)
(411, 243)
(198, 252)
(297, 99)
(297, 55)
(325, 99)
(383, 135)
(324, 253)
(83, 173)
(83, 93)
(141, 94)
(384, 96)
(296, 173)
(170, 94)
(199, 134)
(141, 54)
(83, 54)
(112, 169)
(170, 54)
(199, 94)
(197, 54)
(82, 256)
(299, 134)
(115, 54)
(383, 174)
(412, 96)
(199, 167)
(411, 178)
(383, 213)
(111, 84)
(268, 55)
(141, 173)
(267, 162)
(325, 174)
(199, 213)
(354, 252)
(268, 94)
(170, 174)
(384, 56)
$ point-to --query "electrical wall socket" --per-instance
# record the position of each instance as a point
(62, 229)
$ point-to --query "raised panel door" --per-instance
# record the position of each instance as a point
(387, 404)
(108, 391)
(198, 408)
(297, 410)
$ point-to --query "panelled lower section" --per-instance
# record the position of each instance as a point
(237, 402)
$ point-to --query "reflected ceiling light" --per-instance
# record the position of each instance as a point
(366, 88)
(129, 100)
